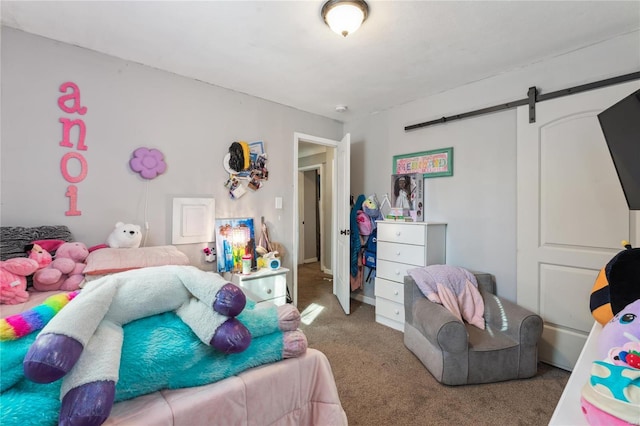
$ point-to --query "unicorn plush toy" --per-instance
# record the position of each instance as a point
(82, 343)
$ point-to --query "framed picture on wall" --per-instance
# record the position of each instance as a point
(234, 238)
(407, 193)
(193, 220)
(435, 163)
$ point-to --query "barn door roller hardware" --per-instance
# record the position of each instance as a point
(532, 98)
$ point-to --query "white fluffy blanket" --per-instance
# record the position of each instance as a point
(453, 287)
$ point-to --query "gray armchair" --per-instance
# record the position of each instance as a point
(457, 353)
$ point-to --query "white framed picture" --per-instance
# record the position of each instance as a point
(193, 220)
(407, 194)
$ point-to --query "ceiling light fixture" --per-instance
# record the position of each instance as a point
(345, 16)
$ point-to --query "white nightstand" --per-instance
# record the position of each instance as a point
(264, 285)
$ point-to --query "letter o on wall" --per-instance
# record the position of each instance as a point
(64, 167)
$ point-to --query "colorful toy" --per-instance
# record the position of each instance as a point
(365, 224)
(13, 281)
(82, 343)
(617, 284)
(65, 271)
(158, 352)
(19, 325)
(40, 255)
(49, 245)
(621, 329)
(125, 235)
(612, 395)
(370, 207)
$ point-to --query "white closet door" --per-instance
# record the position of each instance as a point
(571, 215)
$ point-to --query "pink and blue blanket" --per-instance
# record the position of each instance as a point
(159, 352)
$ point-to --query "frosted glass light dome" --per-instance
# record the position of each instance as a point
(344, 17)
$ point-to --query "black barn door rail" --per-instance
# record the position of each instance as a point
(531, 99)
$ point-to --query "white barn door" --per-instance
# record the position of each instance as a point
(571, 215)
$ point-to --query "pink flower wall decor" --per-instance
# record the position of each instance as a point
(148, 162)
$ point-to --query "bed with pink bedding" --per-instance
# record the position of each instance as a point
(298, 391)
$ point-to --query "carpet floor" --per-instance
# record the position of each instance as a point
(380, 382)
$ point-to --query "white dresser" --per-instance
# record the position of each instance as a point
(264, 285)
(403, 246)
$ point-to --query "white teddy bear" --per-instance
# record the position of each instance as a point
(125, 235)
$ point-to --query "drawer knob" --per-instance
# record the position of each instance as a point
(397, 272)
(397, 312)
(397, 233)
(268, 291)
(398, 253)
(396, 292)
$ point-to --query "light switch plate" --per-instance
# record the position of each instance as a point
(278, 202)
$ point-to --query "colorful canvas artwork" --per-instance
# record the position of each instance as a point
(234, 238)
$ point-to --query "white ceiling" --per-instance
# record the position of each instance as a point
(282, 50)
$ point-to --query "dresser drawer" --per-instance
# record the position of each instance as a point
(401, 233)
(389, 290)
(392, 271)
(265, 288)
(388, 309)
(403, 253)
(263, 285)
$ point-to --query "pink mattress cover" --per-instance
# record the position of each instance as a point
(296, 391)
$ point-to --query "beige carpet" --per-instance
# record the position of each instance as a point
(381, 382)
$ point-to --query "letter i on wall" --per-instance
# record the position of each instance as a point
(69, 102)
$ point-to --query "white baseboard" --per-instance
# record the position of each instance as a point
(311, 260)
(364, 299)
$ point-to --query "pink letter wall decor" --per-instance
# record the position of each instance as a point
(67, 125)
(72, 193)
(64, 167)
(70, 103)
(74, 96)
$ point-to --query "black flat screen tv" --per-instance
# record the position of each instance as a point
(620, 125)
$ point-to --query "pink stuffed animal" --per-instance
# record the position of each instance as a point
(13, 281)
(40, 255)
(65, 271)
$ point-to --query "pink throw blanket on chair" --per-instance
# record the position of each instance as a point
(454, 288)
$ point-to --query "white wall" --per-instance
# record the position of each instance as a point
(479, 201)
(130, 106)
(194, 123)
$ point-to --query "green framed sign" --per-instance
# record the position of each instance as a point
(435, 163)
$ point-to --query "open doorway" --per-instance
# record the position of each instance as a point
(334, 194)
(315, 187)
(311, 215)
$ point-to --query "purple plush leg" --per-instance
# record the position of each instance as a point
(50, 357)
(231, 337)
(88, 404)
(230, 300)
